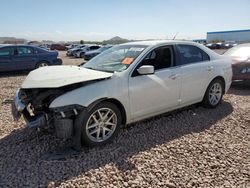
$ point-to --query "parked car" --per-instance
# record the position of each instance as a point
(90, 54)
(72, 50)
(25, 57)
(227, 45)
(240, 61)
(72, 46)
(57, 47)
(214, 45)
(124, 84)
(44, 46)
(80, 53)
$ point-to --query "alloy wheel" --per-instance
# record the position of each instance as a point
(215, 93)
(43, 65)
(101, 124)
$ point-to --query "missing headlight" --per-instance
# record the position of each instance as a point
(67, 111)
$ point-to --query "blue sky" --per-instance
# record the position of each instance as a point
(63, 20)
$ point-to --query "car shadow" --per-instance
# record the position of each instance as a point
(240, 88)
(14, 73)
(21, 150)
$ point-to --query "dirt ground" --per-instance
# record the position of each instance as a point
(193, 147)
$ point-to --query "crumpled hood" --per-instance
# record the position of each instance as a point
(58, 76)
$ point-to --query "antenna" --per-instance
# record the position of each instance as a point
(175, 35)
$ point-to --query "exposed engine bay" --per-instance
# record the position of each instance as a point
(34, 104)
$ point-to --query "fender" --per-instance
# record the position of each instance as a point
(87, 96)
(83, 96)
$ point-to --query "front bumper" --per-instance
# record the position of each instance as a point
(69, 53)
(241, 71)
(76, 54)
(57, 61)
(88, 57)
(241, 77)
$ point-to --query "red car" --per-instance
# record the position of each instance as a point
(240, 61)
(57, 47)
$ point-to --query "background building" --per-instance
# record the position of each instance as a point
(239, 36)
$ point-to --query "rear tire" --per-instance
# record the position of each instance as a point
(100, 125)
(214, 94)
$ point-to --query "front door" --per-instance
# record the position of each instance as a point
(155, 93)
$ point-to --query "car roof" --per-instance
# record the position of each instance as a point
(2, 45)
(17, 45)
(158, 42)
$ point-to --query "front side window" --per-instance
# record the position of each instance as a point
(7, 51)
(24, 50)
(93, 47)
(191, 54)
(160, 58)
(118, 58)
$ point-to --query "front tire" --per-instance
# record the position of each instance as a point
(100, 125)
(82, 55)
(214, 94)
(42, 64)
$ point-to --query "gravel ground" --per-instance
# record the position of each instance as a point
(194, 147)
(70, 60)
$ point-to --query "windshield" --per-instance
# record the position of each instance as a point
(118, 58)
(239, 51)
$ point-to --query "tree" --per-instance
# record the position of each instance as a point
(81, 41)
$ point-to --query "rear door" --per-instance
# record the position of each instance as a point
(195, 70)
(25, 58)
(6, 63)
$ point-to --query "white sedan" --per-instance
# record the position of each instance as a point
(124, 84)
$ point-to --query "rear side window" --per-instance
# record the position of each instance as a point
(191, 54)
(40, 50)
(205, 56)
(7, 51)
(22, 50)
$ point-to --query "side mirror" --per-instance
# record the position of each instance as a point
(146, 69)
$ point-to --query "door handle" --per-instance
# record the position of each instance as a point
(174, 76)
(210, 68)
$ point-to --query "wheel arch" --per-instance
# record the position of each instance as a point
(40, 61)
(217, 77)
(205, 100)
(115, 102)
(223, 81)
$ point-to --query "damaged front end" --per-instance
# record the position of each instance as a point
(33, 105)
